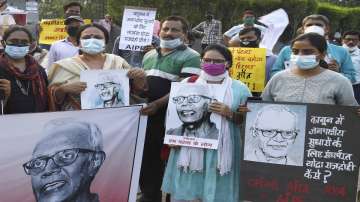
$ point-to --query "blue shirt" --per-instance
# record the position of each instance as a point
(340, 54)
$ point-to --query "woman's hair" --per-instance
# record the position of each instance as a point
(17, 28)
(100, 27)
(224, 51)
(316, 40)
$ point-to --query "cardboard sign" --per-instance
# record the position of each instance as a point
(53, 30)
(249, 67)
(137, 28)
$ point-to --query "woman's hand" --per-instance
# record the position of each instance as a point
(243, 109)
(5, 85)
(221, 109)
(139, 79)
(74, 88)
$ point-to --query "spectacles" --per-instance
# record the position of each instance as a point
(17, 43)
(190, 99)
(288, 135)
(214, 61)
(103, 86)
(61, 159)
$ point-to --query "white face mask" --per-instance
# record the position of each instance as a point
(170, 44)
(315, 29)
(16, 52)
(350, 49)
(92, 46)
(304, 62)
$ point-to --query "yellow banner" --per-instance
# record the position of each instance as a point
(249, 67)
(52, 30)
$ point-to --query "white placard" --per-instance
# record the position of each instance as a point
(188, 122)
(137, 28)
(105, 88)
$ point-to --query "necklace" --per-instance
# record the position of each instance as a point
(23, 91)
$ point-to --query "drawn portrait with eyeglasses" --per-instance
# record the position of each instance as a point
(275, 134)
(191, 104)
(105, 89)
(65, 161)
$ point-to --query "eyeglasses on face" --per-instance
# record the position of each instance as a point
(191, 99)
(213, 61)
(61, 159)
(288, 135)
(102, 86)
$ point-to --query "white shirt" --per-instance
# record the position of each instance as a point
(234, 31)
(355, 57)
(60, 50)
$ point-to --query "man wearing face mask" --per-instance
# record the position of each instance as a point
(172, 61)
(338, 59)
(350, 40)
(249, 21)
(67, 47)
(6, 20)
(250, 38)
(209, 30)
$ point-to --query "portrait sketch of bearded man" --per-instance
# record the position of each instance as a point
(276, 135)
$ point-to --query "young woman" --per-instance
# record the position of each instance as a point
(218, 180)
(309, 81)
(64, 75)
(23, 82)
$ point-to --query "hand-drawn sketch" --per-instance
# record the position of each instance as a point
(192, 109)
(105, 89)
(271, 134)
(65, 161)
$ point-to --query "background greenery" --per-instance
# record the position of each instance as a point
(344, 15)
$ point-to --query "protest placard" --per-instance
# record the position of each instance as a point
(300, 152)
(137, 28)
(249, 67)
(52, 30)
(188, 121)
(89, 155)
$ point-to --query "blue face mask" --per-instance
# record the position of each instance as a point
(16, 52)
(304, 62)
(92, 46)
(170, 44)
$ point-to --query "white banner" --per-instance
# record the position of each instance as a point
(137, 28)
(89, 155)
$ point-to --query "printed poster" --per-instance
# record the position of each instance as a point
(300, 152)
(72, 156)
(189, 122)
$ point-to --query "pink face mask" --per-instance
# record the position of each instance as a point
(213, 69)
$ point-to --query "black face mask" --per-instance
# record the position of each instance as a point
(72, 31)
(249, 44)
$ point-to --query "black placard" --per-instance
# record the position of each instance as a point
(322, 153)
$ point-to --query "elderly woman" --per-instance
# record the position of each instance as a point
(23, 82)
(64, 75)
(216, 176)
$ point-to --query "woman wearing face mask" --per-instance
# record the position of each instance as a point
(64, 75)
(309, 81)
(216, 178)
(23, 82)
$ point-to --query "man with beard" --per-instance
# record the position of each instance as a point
(172, 61)
(250, 38)
(192, 108)
(67, 47)
(110, 92)
(273, 139)
(65, 162)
